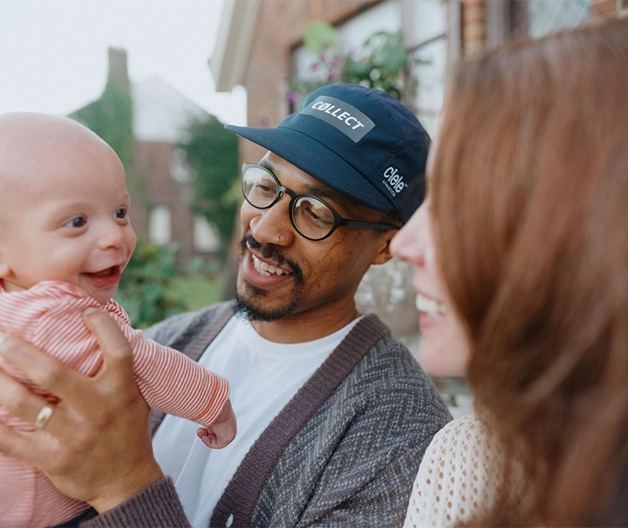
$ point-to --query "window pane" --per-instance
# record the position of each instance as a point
(424, 20)
(430, 71)
(205, 235)
(352, 35)
(551, 15)
(160, 225)
(382, 17)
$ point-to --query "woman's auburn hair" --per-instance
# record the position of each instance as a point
(529, 191)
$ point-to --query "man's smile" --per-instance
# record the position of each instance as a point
(267, 261)
(266, 269)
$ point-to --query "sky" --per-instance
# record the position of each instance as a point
(53, 53)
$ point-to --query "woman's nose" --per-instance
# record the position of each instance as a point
(411, 242)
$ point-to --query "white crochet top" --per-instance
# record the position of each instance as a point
(456, 478)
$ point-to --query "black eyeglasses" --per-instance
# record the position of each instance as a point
(311, 217)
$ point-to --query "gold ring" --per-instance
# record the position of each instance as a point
(43, 416)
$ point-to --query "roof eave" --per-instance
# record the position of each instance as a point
(233, 43)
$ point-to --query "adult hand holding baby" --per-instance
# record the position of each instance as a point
(96, 446)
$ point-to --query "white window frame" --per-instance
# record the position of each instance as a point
(498, 21)
(160, 224)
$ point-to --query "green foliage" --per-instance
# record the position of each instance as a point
(381, 63)
(320, 36)
(212, 153)
(111, 117)
(144, 288)
(196, 291)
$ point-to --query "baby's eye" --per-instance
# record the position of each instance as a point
(121, 213)
(76, 222)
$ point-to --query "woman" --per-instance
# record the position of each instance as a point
(528, 199)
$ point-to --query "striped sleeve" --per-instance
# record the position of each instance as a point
(49, 316)
(173, 383)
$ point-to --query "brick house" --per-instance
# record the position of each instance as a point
(260, 46)
(259, 41)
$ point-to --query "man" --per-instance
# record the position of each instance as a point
(333, 413)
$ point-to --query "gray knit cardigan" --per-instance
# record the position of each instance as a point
(343, 452)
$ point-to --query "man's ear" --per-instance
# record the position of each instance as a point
(382, 254)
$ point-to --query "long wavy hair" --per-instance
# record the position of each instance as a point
(529, 190)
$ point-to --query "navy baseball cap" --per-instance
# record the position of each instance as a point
(359, 141)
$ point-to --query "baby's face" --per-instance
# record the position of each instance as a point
(65, 217)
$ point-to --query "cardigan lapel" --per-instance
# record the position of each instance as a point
(243, 491)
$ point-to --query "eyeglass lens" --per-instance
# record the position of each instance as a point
(311, 217)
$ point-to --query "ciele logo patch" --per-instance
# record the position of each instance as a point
(393, 181)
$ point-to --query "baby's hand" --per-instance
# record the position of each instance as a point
(222, 430)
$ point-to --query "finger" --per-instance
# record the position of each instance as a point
(208, 442)
(117, 353)
(37, 449)
(116, 378)
(206, 437)
(19, 400)
(42, 369)
(201, 432)
(16, 444)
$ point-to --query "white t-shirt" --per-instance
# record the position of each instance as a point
(264, 376)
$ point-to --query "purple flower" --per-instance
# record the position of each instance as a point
(292, 98)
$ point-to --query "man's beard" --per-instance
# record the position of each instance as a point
(253, 313)
(246, 308)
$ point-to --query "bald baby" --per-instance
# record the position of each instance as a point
(65, 207)
(65, 238)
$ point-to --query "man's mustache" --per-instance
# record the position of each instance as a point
(271, 252)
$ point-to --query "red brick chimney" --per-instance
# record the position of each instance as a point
(118, 72)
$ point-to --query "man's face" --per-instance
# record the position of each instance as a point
(66, 219)
(282, 273)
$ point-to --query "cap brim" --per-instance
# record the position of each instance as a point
(318, 161)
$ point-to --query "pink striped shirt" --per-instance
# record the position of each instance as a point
(49, 315)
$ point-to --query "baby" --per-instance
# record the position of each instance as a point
(65, 238)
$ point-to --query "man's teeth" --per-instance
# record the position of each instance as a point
(266, 269)
(427, 305)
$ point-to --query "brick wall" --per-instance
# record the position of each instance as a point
(603, 8)
(473, 22)
(150, 184)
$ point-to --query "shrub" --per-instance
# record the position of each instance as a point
(143, 290)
